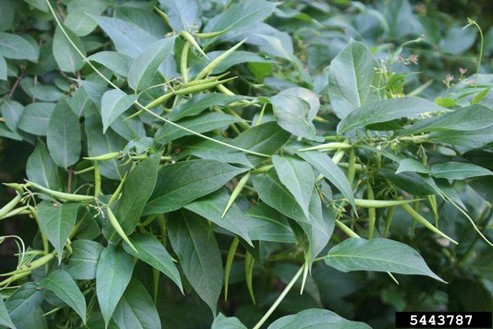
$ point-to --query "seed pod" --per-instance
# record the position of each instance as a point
(103, 157)
(116, 225)
(10, 205)
(229, 264)
(190, 39)
(366, 203)
(238, 188)
(327, 147)
(216, 61)
(372, 215)
(61, 195)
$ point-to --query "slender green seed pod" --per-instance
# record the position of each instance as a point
(163, 15)
(16, 186)
(15, 277)
(18, 211)
(372, 215)
(338, 156)
(32, 265)
(351, 169)
(327, 147)
(191, 40)
(229, 264)
(118, 229)
(432, 199)
(262, 170)
(10, 205)
(184, 62)
(249, 263)
(201, 87)
(97, 180)
(388, 220)
(238, 188)
(417, 217)
(61, 195)
(343, 227)
(103, 157)
(202, 81)
(209, 35)
(366, 203)
(118, 190)
(225, 90)
(216, 61)
(158, 101)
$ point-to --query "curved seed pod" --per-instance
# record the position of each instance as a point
(61, 195)
(229, 264)
(102, 157)
(116, 225)
(366, 203)
(10, 205)
(216, 61)
(238, 188)
(372, 215)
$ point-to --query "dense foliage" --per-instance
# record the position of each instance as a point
(234, 164)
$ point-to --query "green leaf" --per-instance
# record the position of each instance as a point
(199, 255)
(83, 262)
(4, 316)
(308, 96)
(457, 40)
(146, 65)
(183, 15)
(266, 138)
(408, 181)
(115, 61)
(413, 166)
(386, 110)
(7, 8)
(381, 255)
(128, 38)
(212, 206)
(352, 79)
(113, 275)
(64, 136)
(24, 301)
(469, 118)
(292, 113)
(67, 58)
(199, 102)
(470, 139)
(16, 47)
(324, 164)
(136, 309)
(151, 251)
(267, 224)
(78, 19)
(130, 129)
(113, 104)
(41, 169)
(64, 287)
(57, 221)
(199, 124)
(240, 15)
(222, 322)
(11, 112)
(458, 170)
(35, 118)
(180, 183)
(316, 319)
(3, 69)
(99, 144)
(298, 177)
(136, 191)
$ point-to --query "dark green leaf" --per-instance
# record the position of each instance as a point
(222, 322)
(241, 15)
(458, 170)
(130, 129)
(298, 177)
(409, 181)
(78, 19)
(35, 118)
(212, 207)
(382, 255)
(352, 79)
(266, 138)
(25, 300)
(145, 66)
(151, 251)
(7, 8)
(386, 110)
(11, 112)
(115, 61)
(64, 136)
(199, 255)
(412, 165)
(266, 224)
(16, 47)
(64, 287)
(316, 319)
(180, 183)
(199, 103)
(136, 309)
(457, 40)
(80, 103)
(67, 58)
(199, 124)
(136, 191)
(129, 39)
(4, 316)
(113, 104)
(99, 143)
(292, 113)
(41, 169)
(113, 275)
(324, 164)
(308, 96)
(3, 68)
(83, 262)
(57, 221)
(470, 139)
(183, 15)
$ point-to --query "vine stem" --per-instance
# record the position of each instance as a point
(136, 102)
(280, 298)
